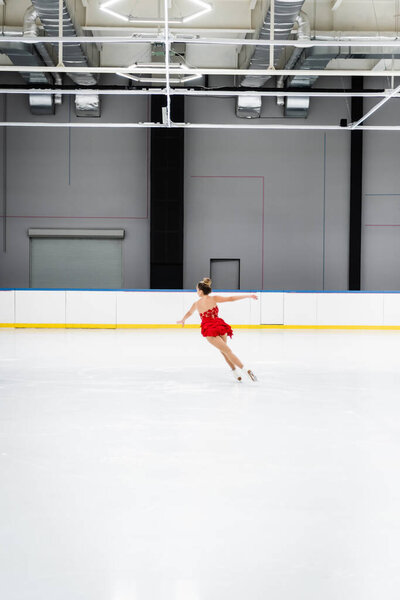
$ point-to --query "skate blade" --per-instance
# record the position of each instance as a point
(252, 376)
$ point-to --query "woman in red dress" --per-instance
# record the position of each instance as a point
(214, 329)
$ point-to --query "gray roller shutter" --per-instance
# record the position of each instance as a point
(75, 263)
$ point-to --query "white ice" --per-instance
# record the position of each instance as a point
(133, 466)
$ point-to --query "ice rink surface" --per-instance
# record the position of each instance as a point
(133, 466)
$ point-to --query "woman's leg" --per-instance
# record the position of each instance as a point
(223, 347)
(230, 363)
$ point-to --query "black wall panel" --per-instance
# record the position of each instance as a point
(356, 177)
(166, 225)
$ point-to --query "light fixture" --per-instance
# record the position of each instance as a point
(177, 69)
(206, 8)
(203, 8)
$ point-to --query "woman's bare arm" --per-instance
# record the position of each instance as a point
(188, 314)
(233, 298)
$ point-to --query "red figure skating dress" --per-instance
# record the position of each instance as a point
(212, 325)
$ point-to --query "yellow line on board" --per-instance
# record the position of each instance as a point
(88, 326)
(370, 327)
(59, 326)
(191, 326)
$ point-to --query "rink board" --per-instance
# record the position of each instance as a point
(129, 309)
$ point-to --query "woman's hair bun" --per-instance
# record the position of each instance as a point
(205, 285)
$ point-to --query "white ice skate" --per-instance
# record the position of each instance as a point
(250, 373)
(237, 374)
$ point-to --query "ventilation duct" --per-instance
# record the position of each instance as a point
(286, 12)
(43, 104)
(302, 34)
(87, 105)
(25, 55)
(248, 107)
(38, 54)
(31, 29)
(73, 54)
(22, 54)
(314, 58)
(318, 58)
(297, 107)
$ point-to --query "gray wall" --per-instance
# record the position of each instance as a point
(62, 178)
(99, 178)
(306, 198)
(380, 267)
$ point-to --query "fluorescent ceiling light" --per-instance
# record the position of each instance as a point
(206, 8)
(174, 68)
(105, 8)
(203, 8)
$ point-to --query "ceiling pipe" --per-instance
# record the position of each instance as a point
(385, 40)
(231, 93)
(29, 22)
(241, 126)
(205, 71)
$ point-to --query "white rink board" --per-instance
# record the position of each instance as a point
(91, 308)
(146, 308)
(271, 308)
(391, 309)
(131, 307)
(300, 308)
(7, 299)
(237, 312)
(40, 307)
(350, 309)
(255, 310)
(188, 298)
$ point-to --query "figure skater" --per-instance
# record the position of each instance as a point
(214, 328)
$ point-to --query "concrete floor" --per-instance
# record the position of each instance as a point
(133, 466)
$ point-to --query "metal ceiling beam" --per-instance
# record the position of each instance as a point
(202, 93)
(241, 126)
(205, 71)
(356, 124)
(188, 30)
(372, 43)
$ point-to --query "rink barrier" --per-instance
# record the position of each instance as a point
(160, 309)
(161, 326)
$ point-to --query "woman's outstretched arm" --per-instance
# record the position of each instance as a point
(233, 298)
(188, 314)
